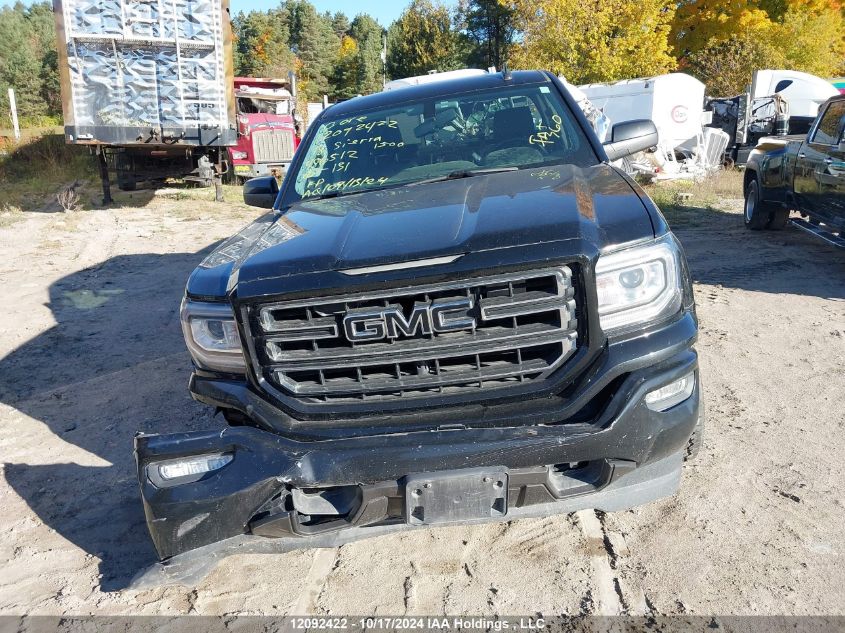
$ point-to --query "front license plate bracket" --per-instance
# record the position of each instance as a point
(456, 496)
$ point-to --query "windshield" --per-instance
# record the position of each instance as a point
(254, 105)
(509, 127)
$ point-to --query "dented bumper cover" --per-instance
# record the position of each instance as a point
(309, 493)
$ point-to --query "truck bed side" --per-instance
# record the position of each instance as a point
(772, 162)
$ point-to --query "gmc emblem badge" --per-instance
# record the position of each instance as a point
(442, 315)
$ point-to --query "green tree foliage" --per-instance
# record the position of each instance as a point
(340, 24)
(368, 34)
(329, 54)
(490, 27)
(421, 40)
(345, 76)
(316, 46)
(262, 44)
(28, 62)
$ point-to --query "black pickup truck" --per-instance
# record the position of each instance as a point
(801, 173)
(456, 311)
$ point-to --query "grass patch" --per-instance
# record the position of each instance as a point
(682, 201)
(33, 171)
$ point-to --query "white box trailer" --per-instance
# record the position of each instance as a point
(419, 80)
(802, 91)
(151, 80)
(675, 102)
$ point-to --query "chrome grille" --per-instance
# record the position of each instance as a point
(512, 329)
(273, 146)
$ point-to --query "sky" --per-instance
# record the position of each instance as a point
(383, 11)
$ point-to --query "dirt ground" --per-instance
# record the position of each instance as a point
(90, 352)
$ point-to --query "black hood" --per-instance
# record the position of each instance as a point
(595, 206)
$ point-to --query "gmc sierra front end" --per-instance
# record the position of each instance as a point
(457, 310)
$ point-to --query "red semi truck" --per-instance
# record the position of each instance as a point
(267, 127)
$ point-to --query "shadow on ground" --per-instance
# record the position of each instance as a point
(113, 364)
(721, 251)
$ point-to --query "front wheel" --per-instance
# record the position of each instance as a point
(757, 212)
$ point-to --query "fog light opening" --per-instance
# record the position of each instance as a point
(192, 466)
(672, 394)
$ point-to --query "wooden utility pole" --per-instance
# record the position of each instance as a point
(13, 106)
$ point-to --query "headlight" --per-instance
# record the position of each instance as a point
(238, 155)
(638, 285)
(211, 335)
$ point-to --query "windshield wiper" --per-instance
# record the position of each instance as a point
(452, 175)
(333, 194)
(464, 173)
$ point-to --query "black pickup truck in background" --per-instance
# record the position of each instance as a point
(805, 174)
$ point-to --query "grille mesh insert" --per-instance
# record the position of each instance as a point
(515, 328)
(273, 145)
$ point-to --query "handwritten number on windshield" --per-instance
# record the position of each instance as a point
(549, 136)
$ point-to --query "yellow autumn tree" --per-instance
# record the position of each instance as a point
(700, 24)
(722, 42)
(812, 38)
(599, 40)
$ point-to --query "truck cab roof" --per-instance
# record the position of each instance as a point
(437, 88)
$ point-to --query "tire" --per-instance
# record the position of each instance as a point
(125, 172)
(756, 213)
(697, 437)
(126, 182)
(779, 219)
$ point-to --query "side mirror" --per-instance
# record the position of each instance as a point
(630, 137)
(261, 192)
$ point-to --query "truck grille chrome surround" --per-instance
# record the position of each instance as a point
(484, 334)
(273, 146)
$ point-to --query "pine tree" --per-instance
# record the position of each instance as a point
(368, 34)
(316, 45)
(262, 44)
(422, 40)
(27, 44)
(490, 27)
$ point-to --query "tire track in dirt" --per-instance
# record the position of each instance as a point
(321, 566)
(606, 549)
(607, 600)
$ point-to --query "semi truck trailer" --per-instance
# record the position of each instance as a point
(148, 85)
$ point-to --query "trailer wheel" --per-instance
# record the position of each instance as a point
(126, 181)
(125, 170)
(757, 213)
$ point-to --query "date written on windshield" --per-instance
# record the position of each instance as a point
(320, 187)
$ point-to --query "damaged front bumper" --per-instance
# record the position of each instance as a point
(261, 484)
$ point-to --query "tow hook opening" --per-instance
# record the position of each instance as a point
(308, 511)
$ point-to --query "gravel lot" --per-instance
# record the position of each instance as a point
(90, 352)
